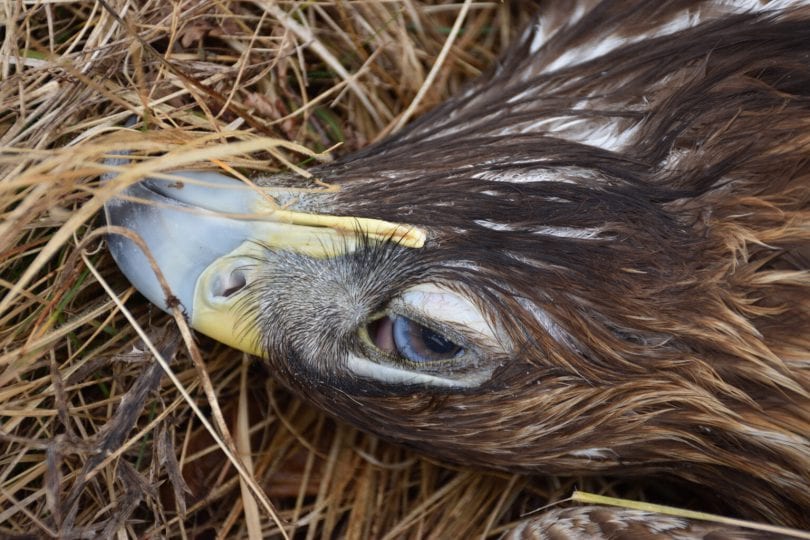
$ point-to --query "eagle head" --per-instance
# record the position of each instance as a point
(592, 260)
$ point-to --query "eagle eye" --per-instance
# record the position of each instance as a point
(405, 338)
(429, 335)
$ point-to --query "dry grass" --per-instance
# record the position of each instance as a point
(95, 439)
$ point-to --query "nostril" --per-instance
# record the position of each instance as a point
(227, 286)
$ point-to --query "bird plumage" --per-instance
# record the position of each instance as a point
(637, 224)
(598, 523)
(624, 199)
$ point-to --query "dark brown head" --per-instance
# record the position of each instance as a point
(595, 259)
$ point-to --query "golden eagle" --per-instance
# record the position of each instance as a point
(595, 259)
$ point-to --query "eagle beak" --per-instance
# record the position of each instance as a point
(208, 233)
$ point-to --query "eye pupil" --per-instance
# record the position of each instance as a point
(437, 343)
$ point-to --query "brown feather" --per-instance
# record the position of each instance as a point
(598, 523)
(653, 201)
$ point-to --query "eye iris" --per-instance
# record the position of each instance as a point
(419, 343)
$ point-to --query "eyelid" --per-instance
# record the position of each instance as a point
(393, 374)
(445, 311)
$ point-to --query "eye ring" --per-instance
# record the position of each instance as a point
(411, 341)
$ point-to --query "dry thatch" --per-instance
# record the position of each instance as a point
(95, 439)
